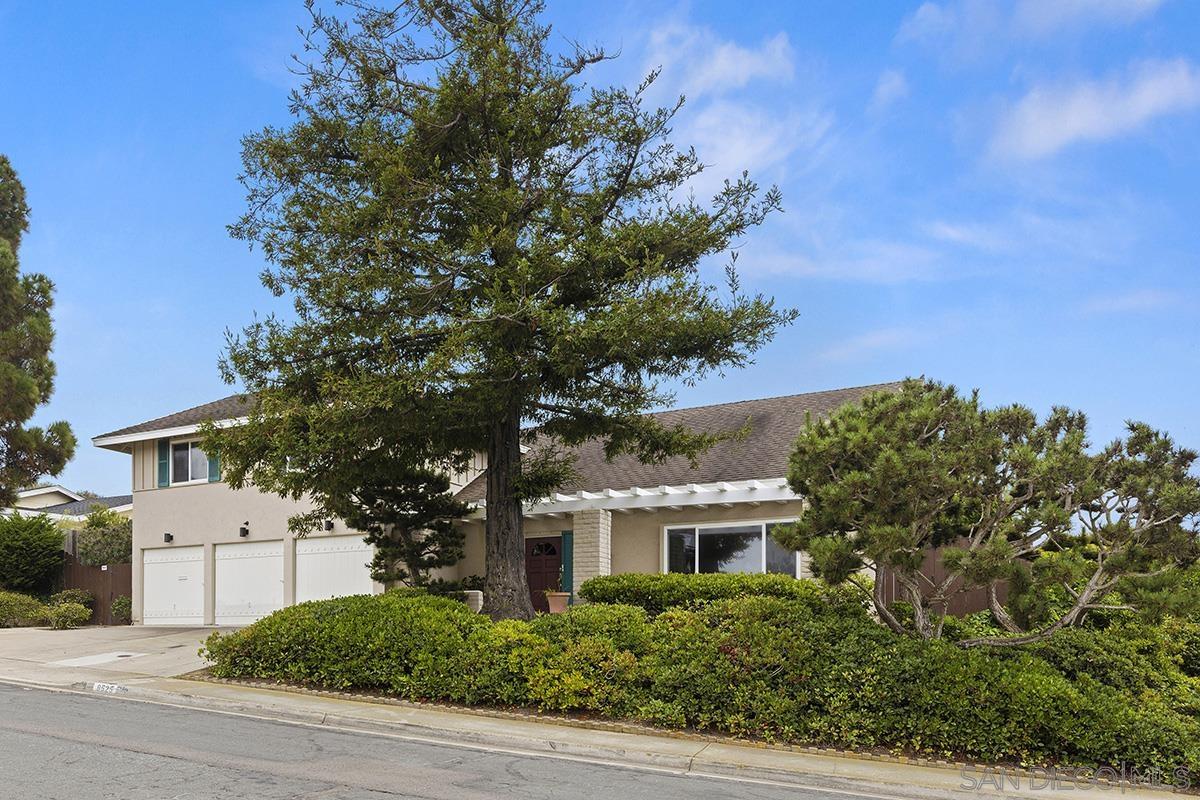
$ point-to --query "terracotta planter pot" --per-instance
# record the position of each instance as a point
(557, 601)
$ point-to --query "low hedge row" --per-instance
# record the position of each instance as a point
(800, 670)
(657, 593)
(20, 610)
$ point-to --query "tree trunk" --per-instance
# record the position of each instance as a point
(881, 606)
(505, 588)
(1000, 612)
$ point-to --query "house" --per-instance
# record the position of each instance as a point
(65, 506)
(207, 554)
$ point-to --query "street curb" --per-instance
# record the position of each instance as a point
(827, 771)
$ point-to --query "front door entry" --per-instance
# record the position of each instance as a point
(543, 562)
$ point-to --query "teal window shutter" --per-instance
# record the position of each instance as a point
(568, 564)
(214, 469)
(164, 463)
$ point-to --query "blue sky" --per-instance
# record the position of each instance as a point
(998, 194)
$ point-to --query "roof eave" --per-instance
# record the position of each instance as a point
(121, 442)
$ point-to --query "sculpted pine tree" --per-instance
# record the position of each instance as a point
(476, 243)
(26, 371)
(1005, 496)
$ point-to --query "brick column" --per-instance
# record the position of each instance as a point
(593, 544)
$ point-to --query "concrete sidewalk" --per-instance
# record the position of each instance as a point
(684, 755)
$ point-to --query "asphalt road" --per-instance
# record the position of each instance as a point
(78, 747)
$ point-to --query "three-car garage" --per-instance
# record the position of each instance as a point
(249, 579)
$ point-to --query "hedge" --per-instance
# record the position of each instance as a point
(31, 555)
(20, 611)
(755, 666)
(65, 616)
(657, 593)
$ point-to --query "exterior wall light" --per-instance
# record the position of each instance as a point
(168, 538)
(328, 524)
(244, 531)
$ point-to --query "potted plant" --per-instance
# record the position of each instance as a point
(557, 599)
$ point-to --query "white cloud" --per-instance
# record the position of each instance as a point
(967, 30)
(730, 137)
(872, 342)
(1140, 300)
(1045, 17)
(698, 62)
(1050, 118)
(891, 88)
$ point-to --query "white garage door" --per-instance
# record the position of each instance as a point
(332, 566)
(173, 586)
(249, 581)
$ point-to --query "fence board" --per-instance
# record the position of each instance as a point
(105, 583)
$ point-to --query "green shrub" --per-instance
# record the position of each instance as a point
(122, 610)
(389, 642)
(792, 669)
(20, 611)
(626, 626)
(31, 553)
(657, 593)
(65, 616)
(81, 596)
(107, 538)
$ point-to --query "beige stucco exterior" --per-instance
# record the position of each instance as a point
(210, 514)
(636, 538)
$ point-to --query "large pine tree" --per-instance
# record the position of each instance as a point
(26, 371)
(477, 243)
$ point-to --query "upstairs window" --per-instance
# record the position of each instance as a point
(188, 462)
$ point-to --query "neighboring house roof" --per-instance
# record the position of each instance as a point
(762, 454)
(36, 496)
(87, 505)
(236, 406)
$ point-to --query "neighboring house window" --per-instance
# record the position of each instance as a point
(724, 547)
(188, 462)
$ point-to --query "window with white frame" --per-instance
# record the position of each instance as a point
(188, 462)
(726, 547)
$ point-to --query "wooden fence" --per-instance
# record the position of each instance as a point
(105, 583)
(961, 603)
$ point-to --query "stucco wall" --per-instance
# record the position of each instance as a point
(636, 536)
(208, 514)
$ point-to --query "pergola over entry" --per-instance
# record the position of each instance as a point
(724, 494)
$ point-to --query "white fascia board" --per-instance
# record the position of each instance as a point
(51, 489)
(162, 433)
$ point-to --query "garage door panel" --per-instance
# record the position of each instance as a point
(332, 566)
(173, 586)
(249, 578)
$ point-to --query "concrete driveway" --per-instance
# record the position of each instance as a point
(118, 654)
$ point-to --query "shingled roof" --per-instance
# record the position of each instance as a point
(774, 423)
(232, 407)
(87, 505)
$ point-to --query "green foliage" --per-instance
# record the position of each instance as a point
(20, 610)
(1008, 498)
(478, 244)
(26, 371)
(79, 596)
(31, 553)
(787, 669)
(409, 515)
(122, 610)
(106, 538)
(65, 616)
(656, 593)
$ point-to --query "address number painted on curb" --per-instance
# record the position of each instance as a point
(109, 688)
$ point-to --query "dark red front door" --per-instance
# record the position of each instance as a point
(543, 560)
